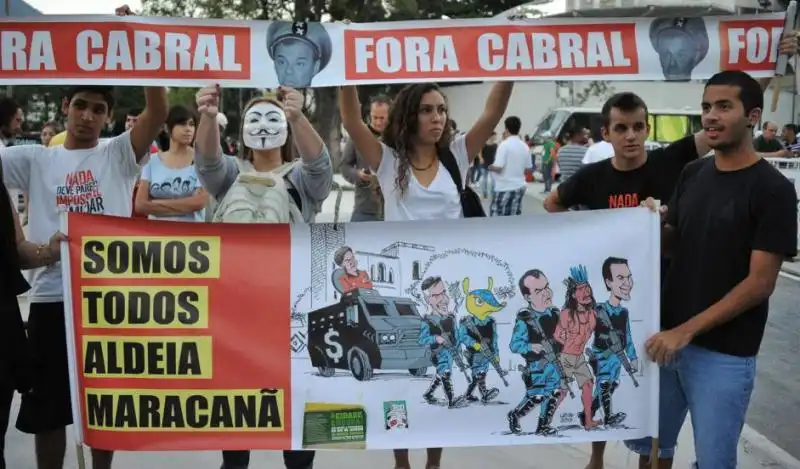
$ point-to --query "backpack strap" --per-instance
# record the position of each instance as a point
(449, 161)
(282, 170)
(470, 202)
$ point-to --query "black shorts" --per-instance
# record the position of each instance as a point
(47, 406)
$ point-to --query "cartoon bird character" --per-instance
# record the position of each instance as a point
(478, 332)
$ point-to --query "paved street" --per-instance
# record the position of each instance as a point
(775, 407)
(772, 421)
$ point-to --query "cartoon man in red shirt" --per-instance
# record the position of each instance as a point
(348, 278)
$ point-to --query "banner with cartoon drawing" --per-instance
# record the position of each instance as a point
(512, 330)
(472, 332)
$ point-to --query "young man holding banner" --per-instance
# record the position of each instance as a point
(80, 176)
(630, 177)
(729, 226)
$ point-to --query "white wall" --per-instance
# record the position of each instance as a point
(532, 100)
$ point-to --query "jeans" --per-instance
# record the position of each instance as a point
(547, 176)
(485, 178)
(507, 203)
(714, 388)
(291, 459)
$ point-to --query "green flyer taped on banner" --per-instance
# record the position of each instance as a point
(334, 426)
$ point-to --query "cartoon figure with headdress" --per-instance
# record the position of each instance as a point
(681, 44)
(299, 51)
(576, 324)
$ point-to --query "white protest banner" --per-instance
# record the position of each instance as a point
(195, 336)
(470, 333)
(189, 52)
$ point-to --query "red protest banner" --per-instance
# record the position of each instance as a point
(167, 352)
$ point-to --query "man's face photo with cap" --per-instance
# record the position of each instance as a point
(299, 51)
(295, 63)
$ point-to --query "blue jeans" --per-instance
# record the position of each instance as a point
(715, 390)
(547, 175)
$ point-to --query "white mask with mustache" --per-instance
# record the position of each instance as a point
(264, 127)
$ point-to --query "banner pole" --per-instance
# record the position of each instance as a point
(79, 454)
(653, 453)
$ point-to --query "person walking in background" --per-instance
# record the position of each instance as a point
(512, 159)
(570, 156)
(420, 147)
(549, 155)
(368, 198)
(487, 157)
(599, 151)
(169, 186)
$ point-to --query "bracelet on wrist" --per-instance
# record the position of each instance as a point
(43, 253)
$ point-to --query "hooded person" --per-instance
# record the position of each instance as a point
(268, 184)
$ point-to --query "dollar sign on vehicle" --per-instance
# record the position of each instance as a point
(334, 349)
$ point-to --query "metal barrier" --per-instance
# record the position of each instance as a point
(790, 167)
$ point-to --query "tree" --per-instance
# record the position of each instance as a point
(182, 96)
(565, 91)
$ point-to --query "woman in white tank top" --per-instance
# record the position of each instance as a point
(414, 182)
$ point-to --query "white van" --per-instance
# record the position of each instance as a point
(666, 125)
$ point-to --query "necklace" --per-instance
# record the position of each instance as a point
(434, 160)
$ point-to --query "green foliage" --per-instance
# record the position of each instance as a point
(182, 96)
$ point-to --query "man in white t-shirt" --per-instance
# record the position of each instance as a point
(599, 151)
(512, 159)
(79, 176)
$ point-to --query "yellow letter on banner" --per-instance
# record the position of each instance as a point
(150, 257)
(147, 357)
(185, 410)
(173, 307)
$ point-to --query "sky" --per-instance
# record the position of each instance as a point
(86, 7)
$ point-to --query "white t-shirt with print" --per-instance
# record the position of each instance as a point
(514, 157)
(440, 200)
(98, 180)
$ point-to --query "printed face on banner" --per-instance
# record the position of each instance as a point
(621, 282)
(437, 298)
(295, 63)
(264, 127)
(540, 295)
(681, 44)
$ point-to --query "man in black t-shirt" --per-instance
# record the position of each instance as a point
(729, 226)
(627, 179)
